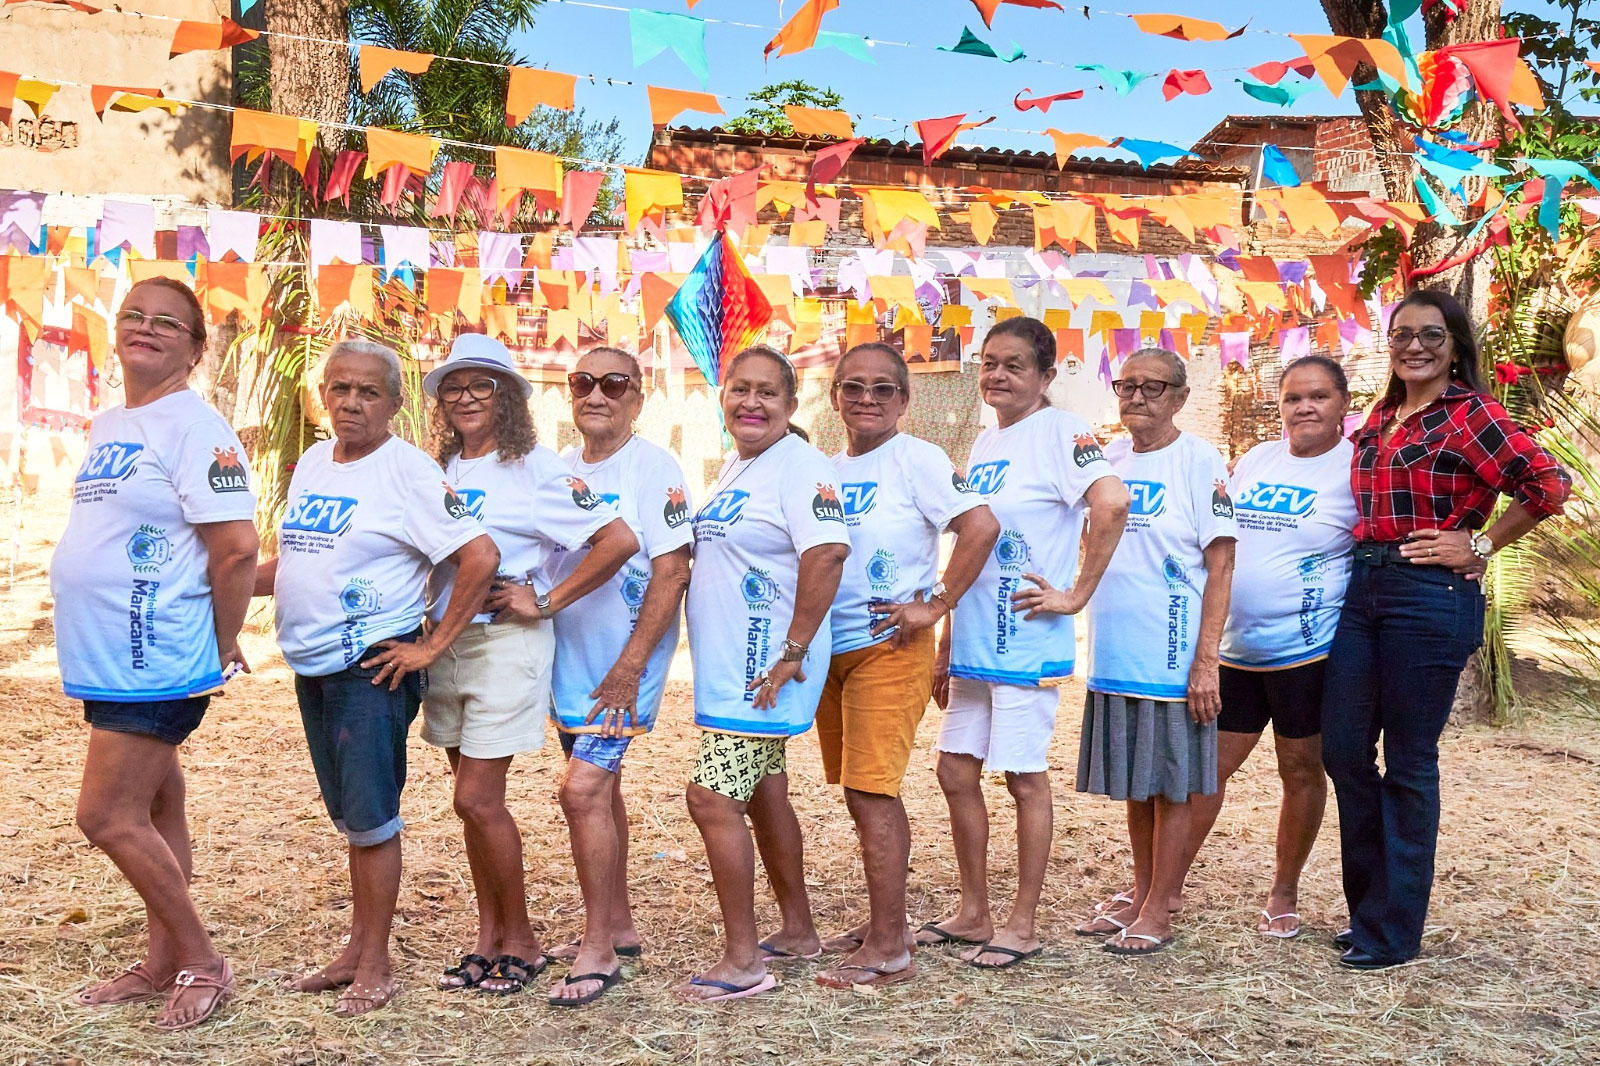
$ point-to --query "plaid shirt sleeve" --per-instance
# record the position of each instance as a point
(1446, 466)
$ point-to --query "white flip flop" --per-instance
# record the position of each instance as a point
(1276, 934)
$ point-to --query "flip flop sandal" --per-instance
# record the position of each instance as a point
(1119, 900)
(876, 976)
(1277, 934)
(218, 986)
(1114, 947)
(503, 967)
(468, 980)
(1013, 957)
(772, 953)
(141, 987)
(608, 981)
(374, 998)
(1081, 931)
(851, 942)
(729, 989)
(945, 937)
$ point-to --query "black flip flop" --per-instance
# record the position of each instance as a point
(945, 936)
(1015, 957)
(502, 971)
(483, 965)
(608, 981)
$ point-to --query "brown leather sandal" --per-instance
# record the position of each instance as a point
(215, 987)
(136, 984)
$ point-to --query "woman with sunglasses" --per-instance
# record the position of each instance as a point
(613, 649)
(151, 582)
(489, 693)
(770, 546)
(1150, 719)
(1430, 463)
(899, 494)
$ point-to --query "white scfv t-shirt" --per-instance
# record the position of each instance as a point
(1144, 618)
(763, 515)
(1033, 475)
(1296, 520)
(645, 484)
(354, 549)
(897, 499)
(133, 613)
(533, 507)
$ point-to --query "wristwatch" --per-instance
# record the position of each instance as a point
(793, 651)
(541, 600)
(1482, 546)
(940, 593)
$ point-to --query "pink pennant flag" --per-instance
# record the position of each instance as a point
(331, 239)
(232, 231)
(1235, 348)
(500, 256)
(1294, 343)
(341, 174)
(128, 224)
(579, 194)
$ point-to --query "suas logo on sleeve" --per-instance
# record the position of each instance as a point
(581, 494)
(959, 482)
(227, 472)
(859, 497)
(315, 513)
(1086, 450)
(454, 505)
(1221, 502)
(825, 504)
(986, 478)
(111, 461)
(676, 512)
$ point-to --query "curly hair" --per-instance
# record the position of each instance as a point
(513, 425)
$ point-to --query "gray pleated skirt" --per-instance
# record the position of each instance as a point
(1133, 749)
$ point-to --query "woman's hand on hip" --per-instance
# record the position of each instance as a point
(766, 684)
(397, 658)
(1444, 547)
(1205, 690)
(912, 617)
(1045, 599)
(616, 702)
(512, 603)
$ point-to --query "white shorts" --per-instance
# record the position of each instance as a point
(1009, 727)
(489, 693)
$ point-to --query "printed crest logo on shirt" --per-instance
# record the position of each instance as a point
(1221, 502)
(227, 473)
(758, 588)
(1175, 574)
(825, 504)
(1292, 500)
(474, 499)
(1146, 498)
(859, 496)
(359, 599)
(454, 505)
(315, 513)
(1314, 567)
(882, 570)
(724, 507)
(581, 494)
(676, 512)
(149, 549)
(1011, 550)
(634, 582)
(111, 461)
(1086, 450)
(986, 478)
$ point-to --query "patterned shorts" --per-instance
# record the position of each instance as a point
(733, 766)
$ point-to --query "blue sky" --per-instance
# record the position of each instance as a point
(909, 83)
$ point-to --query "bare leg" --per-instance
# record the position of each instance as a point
(375, 888)
(1305, 797)
(1158, 866)
(1232, 751)
(623, 932)
(494, 850)
(783, 854)
(961, 779)
(731, 855)
(484, 886)
(1035, 826)
(885, 852)
(587, 792)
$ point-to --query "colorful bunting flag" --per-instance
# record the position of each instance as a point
(1043, 102)
(1184, 28)
(375, 64)
(987, 8)
(668, 104)
(818, 122)
(1276, 168)
(527, 89)
(654, 32)
(938, 134)
(801, 31)
(208, 36)
(1178, 82)
(971, 45)
(1120, 81)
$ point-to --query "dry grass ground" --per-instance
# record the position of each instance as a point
(1509, 974)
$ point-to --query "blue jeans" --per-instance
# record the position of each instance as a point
(1404, 635)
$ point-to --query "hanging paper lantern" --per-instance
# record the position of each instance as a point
(1446, 91)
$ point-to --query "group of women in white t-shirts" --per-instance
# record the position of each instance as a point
(552, 586)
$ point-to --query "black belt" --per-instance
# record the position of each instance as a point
(1380, 553)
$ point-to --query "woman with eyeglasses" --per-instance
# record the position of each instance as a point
(899, 494)
(1431, 461)
(489, 693)
(770, 546)
(1011, 642)
(1150, 720)
(613, 649)
(151, 582)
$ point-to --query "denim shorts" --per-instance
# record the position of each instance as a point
(357, 735)
(167, 720)
(596, 750)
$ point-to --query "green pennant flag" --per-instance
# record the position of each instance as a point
(656, 31)
(971, 45)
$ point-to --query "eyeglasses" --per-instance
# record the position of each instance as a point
(856, 391)
(160, 325)
(1432, 338)
(612, 386)
(480, 389)
(1151, 389)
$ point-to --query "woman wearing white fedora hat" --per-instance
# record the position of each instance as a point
(489, 694)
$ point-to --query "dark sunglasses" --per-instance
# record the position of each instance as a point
(1152, 389)
(612, 386)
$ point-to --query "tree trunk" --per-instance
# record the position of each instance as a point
(309, 79)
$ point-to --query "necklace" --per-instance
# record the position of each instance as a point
(738, 468)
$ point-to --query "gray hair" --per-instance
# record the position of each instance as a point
(1176, 367)
(393, 374)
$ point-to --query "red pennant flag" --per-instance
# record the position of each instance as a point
(1499, 73)
(452, 186)
(1043, 102)
(827, 163)
(341, 174)
(581, 190)
(938, 134)
(986, 8)
(1272, 73)
(730, 203)
(1178, 82)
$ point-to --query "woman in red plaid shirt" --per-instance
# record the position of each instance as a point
(1430, 462)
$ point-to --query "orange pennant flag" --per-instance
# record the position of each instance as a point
(89, 328)
(1184, 28)
(526, 89)
(340, 283)
(650, 192)
(262, 131)
(1067, 143)
(982, 218)
(655, 292)
(208, 36)
(1336, 58)
(389, 148)
(561, 326)
(452, 290)
(22, 289)
(668, 104)
(500, 320)
(938, 134)
(1169, 211)
(800, 32)
(377, 62)
(817, 122)
(992, 289)
(82, 282)
(1064, 222)
(1305, 207)
(808, 234)
(235, 287)
(100, 95)
(517, 171)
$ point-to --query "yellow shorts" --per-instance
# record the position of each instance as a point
(871, 705)
(733, 766)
